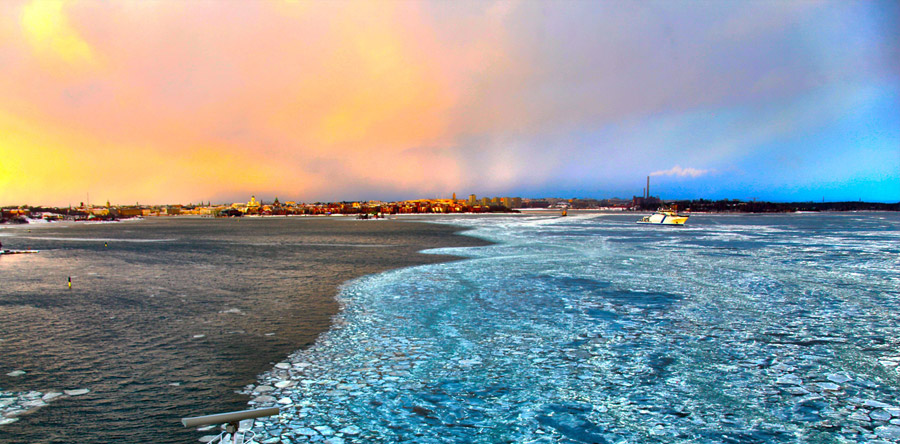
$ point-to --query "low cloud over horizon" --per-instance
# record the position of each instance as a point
(682, 172)
(189, 101)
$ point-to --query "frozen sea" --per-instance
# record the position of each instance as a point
(593, 329)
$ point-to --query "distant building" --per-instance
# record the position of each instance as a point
(128, 211)
(646, 203)
(253, 206)
(210, 210)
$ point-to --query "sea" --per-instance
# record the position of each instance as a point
(593, 329)
(581, 329)
(170, 318)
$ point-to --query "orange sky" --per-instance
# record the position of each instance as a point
(183, 101)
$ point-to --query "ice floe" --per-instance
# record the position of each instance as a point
(15, 404)
(594, 330)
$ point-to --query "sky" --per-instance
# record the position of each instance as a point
(170, 101)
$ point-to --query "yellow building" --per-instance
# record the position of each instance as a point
(252, 206)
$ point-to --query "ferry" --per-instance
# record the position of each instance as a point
(665, 216)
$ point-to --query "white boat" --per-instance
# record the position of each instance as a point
(664, 217)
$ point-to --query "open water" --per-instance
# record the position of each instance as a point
(168, 318)
(593, 329)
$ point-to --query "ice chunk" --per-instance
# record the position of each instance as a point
(232, 311)
(838, 378)
(876, 404)
(860, 415)
(264, 399)
(890, 432)
(880, 415)
(783, 367)
(33, 403)
(789, 379)
(796, 390)
(76, 392)
(324, 430)
(51, 395)
(829, 386)
(350, 430)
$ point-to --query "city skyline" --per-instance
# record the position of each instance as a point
(325, 101)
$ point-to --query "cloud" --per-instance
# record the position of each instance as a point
(682, 172)
(315, 100)
(48, 30)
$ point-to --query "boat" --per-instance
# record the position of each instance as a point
(665, 216)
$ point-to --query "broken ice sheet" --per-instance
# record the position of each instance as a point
(594, 329)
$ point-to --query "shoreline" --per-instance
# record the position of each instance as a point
(414, 217)
(257, 392)
(277, 378)
(267, 287)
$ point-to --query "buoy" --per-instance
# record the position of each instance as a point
(70, 282)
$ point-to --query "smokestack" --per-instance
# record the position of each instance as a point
(648, 187)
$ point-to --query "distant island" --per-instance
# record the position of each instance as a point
(254, 207)
(741, 206)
